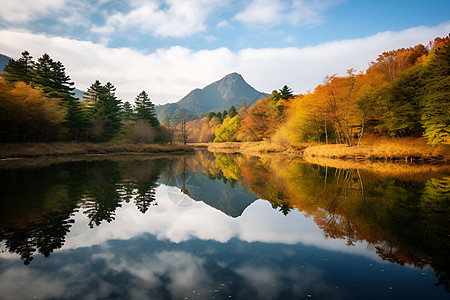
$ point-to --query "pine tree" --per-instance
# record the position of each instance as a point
(286, 93)
(92, 93)
(232, 112)
(109, 110)
(145, 109)
(127, 111)
(436, 99)
(103, 110)
(62, 86)
(43, 73)
(19, 70)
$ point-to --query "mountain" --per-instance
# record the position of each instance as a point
(231, 200)
(218, 96)
(78, 94)
(3, 61)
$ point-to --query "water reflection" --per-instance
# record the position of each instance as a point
(172, 246)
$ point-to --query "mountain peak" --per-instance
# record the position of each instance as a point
(231, 90)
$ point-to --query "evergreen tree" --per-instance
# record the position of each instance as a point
(43, 73)
(103, 110)
(400, 103)
(109, 108)
(76, 119)
(436, 99)
(210, 115)
(145, 109)
(19, 70)
(127, 112)
(93, 92)
(62, 86)
(232, 112)
(286, 93)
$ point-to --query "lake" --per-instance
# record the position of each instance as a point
(222, 226)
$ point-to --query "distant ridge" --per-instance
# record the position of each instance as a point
(217, 96)
(3, 62)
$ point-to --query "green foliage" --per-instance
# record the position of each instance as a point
(103, 110)
(93, 91)
(127, 112)
(210, 115)
(436, 98)
(232, 112)
(145, 109)
(400, 104)
(20, 70)
(286, 93)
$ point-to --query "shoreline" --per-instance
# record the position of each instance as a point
(409, 151)
(405, 151)
(58, 149)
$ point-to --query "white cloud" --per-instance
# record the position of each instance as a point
(223, 24)
(168, 221)
(169, 74)
(296, 12)
(169, 18)
(20, 12)
(289, 39)
(262, 12)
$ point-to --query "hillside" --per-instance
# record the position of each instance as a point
(218, 96)
(3, 61)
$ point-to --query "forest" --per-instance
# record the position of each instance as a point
(37, 104)
(403, 93)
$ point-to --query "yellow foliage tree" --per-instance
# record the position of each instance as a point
(27, 115)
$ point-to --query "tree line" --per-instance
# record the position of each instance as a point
(403, 93)
(37, 104)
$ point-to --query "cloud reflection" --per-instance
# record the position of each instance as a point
(167, 221)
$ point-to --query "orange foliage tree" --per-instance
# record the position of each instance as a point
(27, 115)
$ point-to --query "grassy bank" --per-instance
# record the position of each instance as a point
(372, 148)
(62, 149)
(255, 147)
(406, 149)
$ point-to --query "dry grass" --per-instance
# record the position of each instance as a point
(253, 147)
(381, 148)
(61, 148)
(404, 171)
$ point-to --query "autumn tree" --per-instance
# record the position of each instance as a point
(26, 114)
(229, 128)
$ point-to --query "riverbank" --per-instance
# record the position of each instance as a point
(67, 148)
(374, 149)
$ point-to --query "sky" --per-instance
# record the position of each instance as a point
(170, 47)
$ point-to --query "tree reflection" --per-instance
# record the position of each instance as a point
(96, 188)
(44, 237)
(404, 220)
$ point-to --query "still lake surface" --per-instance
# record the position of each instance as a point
(221, 226)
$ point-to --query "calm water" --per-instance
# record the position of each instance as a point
(219, 226)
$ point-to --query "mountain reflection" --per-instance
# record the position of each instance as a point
(401, 212)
